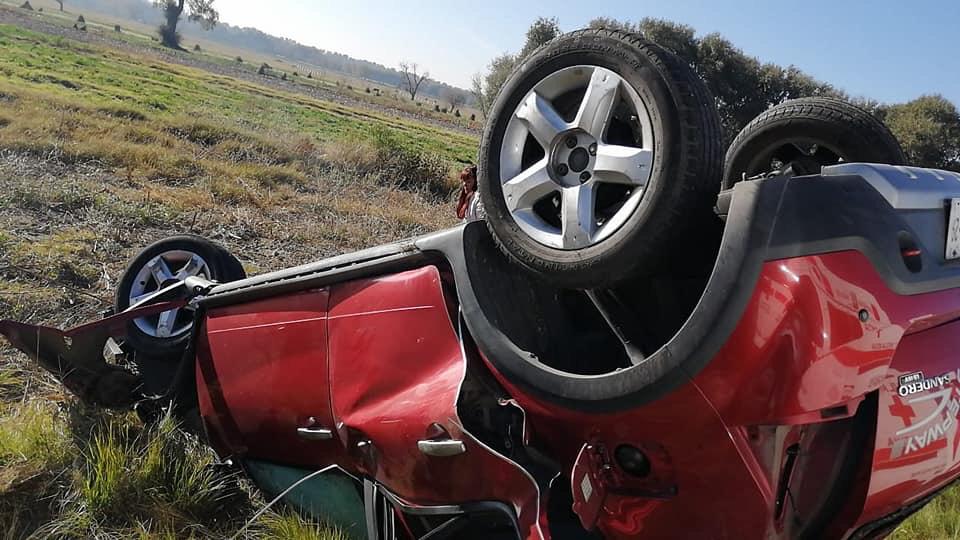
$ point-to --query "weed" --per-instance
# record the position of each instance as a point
(124, 113)
(35, 434)
(287, 525)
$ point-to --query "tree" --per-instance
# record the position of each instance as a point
(201, 11)
(541, 31)
(928, 128)
(741, 85)
(478, 89)
(498, 72)
(486, 88)
(61, 4)
(454, 98)
(411, 79)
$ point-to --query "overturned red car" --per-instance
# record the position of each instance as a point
(642, 340)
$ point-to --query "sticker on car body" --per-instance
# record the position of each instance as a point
(952, 250)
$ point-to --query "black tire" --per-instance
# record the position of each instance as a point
(840, 130)
(685, 173)
(223, 267)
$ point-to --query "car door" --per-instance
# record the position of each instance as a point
(396, 366)
(263, 380)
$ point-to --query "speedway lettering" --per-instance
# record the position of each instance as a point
(914, 383)
(937, 424)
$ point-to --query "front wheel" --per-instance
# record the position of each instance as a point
(601, 149)
(161, 264)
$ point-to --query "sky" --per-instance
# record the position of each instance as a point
(892, 51)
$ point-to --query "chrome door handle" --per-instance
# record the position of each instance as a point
(315, 434)
(442, 447)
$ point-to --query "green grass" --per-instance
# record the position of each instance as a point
(121, 81)
(939, 520)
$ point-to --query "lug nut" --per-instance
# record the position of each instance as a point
(562, 169)
(593, 149)
(571, 141)
(584, 176)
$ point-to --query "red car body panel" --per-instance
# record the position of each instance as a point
(265, 364)
(396, 370)
(778, 368)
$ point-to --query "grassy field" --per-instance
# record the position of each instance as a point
(144, 36)
(103, 151)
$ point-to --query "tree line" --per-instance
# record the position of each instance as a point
(927, 127)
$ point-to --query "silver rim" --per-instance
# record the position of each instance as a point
(162, 270)
(581, 183)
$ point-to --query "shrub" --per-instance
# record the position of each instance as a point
(239, 59)
(444, 110)
(283, 77)
(309, 75)
(169, 36)
(409, 169)
(196, 47)
(368, 90)
(116, 28)
(264, 69)
(436, 107)
(457, 113)
(473, 117)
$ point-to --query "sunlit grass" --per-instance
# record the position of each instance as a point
(938, 520)
(33, 433)
(287, 525)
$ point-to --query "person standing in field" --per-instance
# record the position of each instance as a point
(469, 206)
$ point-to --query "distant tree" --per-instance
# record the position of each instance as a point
(60, 2)
(928, 128)
(498, 72)
(478, 89)
(201, 11)
(454, 98)
(412, 80)
(540, 31)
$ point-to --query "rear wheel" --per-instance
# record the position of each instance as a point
(600, 148)
(805, 135)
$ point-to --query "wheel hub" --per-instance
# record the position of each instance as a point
(573, 158)
(161, 271)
